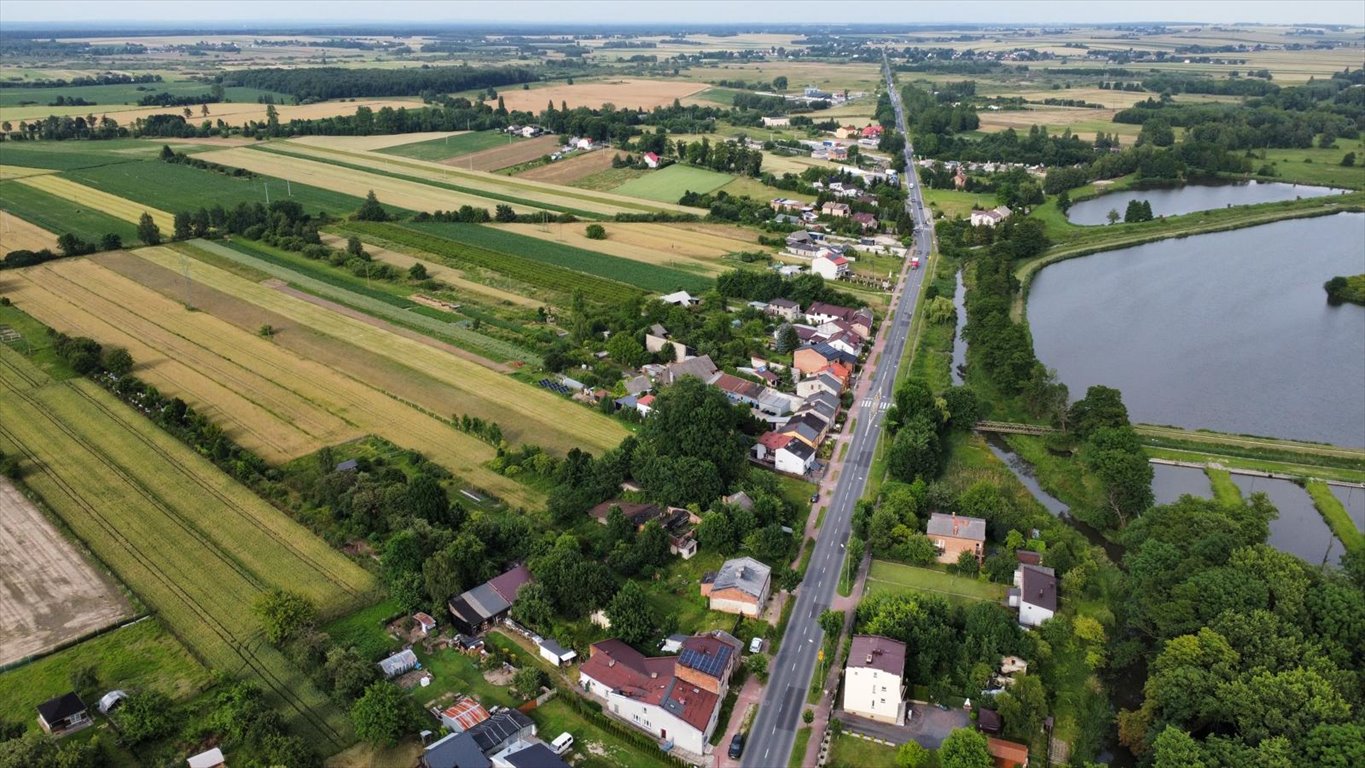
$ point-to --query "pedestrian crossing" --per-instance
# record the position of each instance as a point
(877, 403)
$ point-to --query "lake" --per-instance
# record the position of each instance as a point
(1229, 331)
(1202, 196)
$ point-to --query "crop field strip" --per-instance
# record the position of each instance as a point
(561, 280)
(70, 155)
(18, 172)
(439, 271)
(522, 410)
(198, 590)
(113, 205)
(669, 184)
(377, 142)
(18, 234)
(662, 245)
(59, 215)
(639, 273)
(441, 146)
(514, 187)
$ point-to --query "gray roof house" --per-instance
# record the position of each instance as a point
(740, 586)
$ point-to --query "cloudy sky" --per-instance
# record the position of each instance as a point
(257, 12)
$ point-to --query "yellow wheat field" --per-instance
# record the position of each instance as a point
(17, 234)
(663, 244)
(118, 207)
(18, 172)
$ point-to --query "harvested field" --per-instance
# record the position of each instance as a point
(507, 154)
(667, 245)
(571, 169)
(18, 172)
(104, 202)
(234, 113)
(371, 143)
(52, 594)
(625, 93)
(439, 271)
(194, 544)
(19, 235)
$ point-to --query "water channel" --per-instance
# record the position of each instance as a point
(1229, 331)
(1203, 196)
(959, 364)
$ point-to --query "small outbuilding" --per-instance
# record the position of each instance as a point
(210, 759)
(555, 653)
(395, 665)
(64, 714)
(110, 700)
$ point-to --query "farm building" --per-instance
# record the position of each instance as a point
(651, 159)
(476, 608)
(990, 218)
(680, 298)
(64, 714)
(395, 665)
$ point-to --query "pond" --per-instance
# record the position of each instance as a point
(1189, 198)
(1299, 530)
(1229, 331)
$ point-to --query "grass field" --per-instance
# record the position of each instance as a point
(88, 197)
(69, 155)
(1325, 166)
(669, 184)
(594, 93)
(192, 543)
(122, 93)
(17, 234)
(451, 146)
(375, 142)
(139, 656)
(505, 155)
(58, 214)
(894, 577)
(953, 203)
(849, 751)
(748, 186)
(649, 276)
(235, 113)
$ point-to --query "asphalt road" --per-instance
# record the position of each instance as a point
(774, 730)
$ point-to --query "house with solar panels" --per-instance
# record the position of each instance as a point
(475, 609)
(676, 699)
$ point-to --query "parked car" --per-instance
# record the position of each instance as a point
(756, 645)
(815, 499)
(736, 746)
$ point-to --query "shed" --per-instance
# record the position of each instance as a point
(556, 654)
(64, 713)
(403, 661)
(210, 759)
(349, 465)
(425, 622)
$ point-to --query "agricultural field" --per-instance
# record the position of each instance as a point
(1320, 166)
(192, 543)
(506, 154)
(378, 142)
(8, 172)
(139, 656)
(88, 197)
(669, 184)
(829, 76)
(951, 203)
(121, 94)
(668, 245)
(53, 595)
(624, 93)
(17, 234)
(452, 277)
(27, 206)
(748, 186)
(448, 145)
(69, 155)
(572, 168)
(233, 113)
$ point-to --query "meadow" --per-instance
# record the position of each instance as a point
(897, 578)
(57, 215)
(625, 92)
(124, 94)
(447, 275)
(70, 155)
(192, 543)
(668, 184)
(451, 146)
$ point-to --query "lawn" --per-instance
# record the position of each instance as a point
(595, 746)
(134, 657)
(60, 215)
(668, 184)
(610, 179)
(453, 146)
(798, 755)
(895, 577)
(953, 203)
(849, 751)
(748, 186)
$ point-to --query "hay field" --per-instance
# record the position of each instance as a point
(232, 113)
(371, 143)
(17, 234)
(626, 92)
(1057, 119)
(439, 271)
(649, 243)
(572, 169)
(8, 172)
(194, 544)
(525, 412)
(506, 155)
(104, 202)
(53, 594)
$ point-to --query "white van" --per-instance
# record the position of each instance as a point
(562, 743)
(756, 645)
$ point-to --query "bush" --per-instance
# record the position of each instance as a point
(596, 232)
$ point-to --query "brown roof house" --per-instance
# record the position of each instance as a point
(1034, 594)
(740, 586)
(874, 679)
(953, 535)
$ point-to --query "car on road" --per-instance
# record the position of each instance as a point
(736, 746)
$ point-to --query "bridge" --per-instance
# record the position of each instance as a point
(1014, 428)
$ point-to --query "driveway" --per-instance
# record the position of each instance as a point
(927, 725)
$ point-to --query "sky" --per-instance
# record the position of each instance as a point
(259, 12)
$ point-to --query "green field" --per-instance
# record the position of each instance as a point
(650, 277)
(1319, 166)
(139, 656)
(454, 146)
(59, 215)
(124, 93)
(193, 544)
(894, 577)
(849, 751)
(530, 271)
(69, 155)
(669, 184)
(174, 187)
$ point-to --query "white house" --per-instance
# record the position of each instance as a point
(824, 382)
(794, 458)
(651, 159)
(874, 679)
(829, 266)
(1034, 594)
(990, 218)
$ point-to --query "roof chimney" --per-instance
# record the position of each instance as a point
(611, 662)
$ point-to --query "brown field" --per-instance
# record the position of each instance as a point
(826, 75)
(382, 141)
(623, 93)
(52, 595)
(692, 247)
(17, 234)
(439, 271)
(572, 169)
(504, 156)
(118, 207)
(233, 113)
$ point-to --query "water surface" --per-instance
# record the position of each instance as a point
(1300, 529)
(1202, 196)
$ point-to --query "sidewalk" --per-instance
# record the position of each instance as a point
(824, 708)
(749, 695)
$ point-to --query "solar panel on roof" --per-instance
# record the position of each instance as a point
(704, 663)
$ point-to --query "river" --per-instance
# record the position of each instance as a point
(1229, 331)
(1202, 196)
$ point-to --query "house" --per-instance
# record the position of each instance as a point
(645, 405)
(463, 715)
(1034, 594)
(673, 698)
(820, 312)
(959, 179)
(699, 367)
(583, 143)
(873, 131)
(736, 389)
(842, 371)
(657, 340)
(847, 342)
(865, 220)
(680, 298)
(803, 431)
(786, 205)
(784, 308)
(773, 404)
(530, 131)
(740, 586)
(794, 457)
(524, 754)
(846, 132)
(952, 535)
(556, 654)
(638, 513)
(988, 721)
(495, 733)
(990, 218)
(651, 160)
(767, 445)
(395, 665)
(638, 385)
(837, 210)
(862, 322)
(629, 402)
(739, 499)
(210, 759)
(349, 465)
(458, 750)
(1007, 754)
(476, 608)
(425, 623)
(63, 714)
(874, 679)
(829, 267)
(837, 153)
